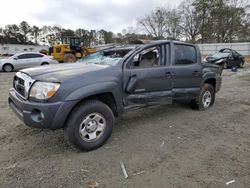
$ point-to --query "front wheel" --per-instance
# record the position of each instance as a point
(90, 125)
(205, 99)
(8, 68)
(69, 58)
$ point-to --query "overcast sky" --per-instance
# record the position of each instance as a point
(113, 15)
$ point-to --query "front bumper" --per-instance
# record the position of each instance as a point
(40, 115)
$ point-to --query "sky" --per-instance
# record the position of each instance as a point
(112, 15)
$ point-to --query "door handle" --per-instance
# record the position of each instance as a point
(196, 73)
(168, 75)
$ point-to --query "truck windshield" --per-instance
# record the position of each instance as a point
(101, 59)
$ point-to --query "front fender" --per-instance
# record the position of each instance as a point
(208, 75)
(214, 76)
(98, 88)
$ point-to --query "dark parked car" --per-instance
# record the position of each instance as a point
(84, 98)
(227, 58)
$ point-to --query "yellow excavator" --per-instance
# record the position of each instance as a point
(71, 50)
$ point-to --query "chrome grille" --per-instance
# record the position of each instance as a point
(22, 83)
(19, 85)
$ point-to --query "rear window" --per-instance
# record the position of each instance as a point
(185, 54)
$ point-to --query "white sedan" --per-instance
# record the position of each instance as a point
(25, 60)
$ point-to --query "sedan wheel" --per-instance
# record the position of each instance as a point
(7, 68)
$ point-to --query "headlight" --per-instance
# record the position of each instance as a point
(43, 90)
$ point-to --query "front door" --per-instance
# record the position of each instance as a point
(148, 77)
(21, 62)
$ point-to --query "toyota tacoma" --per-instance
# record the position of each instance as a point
(84, 98)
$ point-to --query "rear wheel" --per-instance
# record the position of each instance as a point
(205, 99)
(8, 68)
(69, 58)
(90, 125)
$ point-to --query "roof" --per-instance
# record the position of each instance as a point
(20, 53)
(118, 48)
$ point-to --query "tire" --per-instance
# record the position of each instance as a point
(202, 102)
(69, 58)
(44, 63)
(8, 68)
(85, 121)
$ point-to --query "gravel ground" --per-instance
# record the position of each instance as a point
(161, 146)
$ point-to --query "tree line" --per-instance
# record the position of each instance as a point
(196, 21)
(49, 35)
(201, 21)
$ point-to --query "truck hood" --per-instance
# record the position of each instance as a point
(61, 72)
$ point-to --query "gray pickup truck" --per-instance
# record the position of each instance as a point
(85, 97)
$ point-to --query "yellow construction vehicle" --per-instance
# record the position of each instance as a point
(71, 50)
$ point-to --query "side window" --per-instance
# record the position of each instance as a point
(147, 58)
(35, 56)
(23, 56)
(185, 54)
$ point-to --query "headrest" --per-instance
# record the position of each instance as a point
(149, 55)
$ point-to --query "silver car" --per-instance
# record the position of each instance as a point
(25, 60)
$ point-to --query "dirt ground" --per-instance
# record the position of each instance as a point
(161, 146)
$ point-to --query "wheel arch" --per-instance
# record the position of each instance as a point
(211, 81)
(106, 97)
(45, 63)
(8, 64)
(107, 92)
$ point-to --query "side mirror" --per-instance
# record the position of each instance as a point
(15, 58)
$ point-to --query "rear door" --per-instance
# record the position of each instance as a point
(187, 74)
(22, 61)
(148, 76)
(34, 59)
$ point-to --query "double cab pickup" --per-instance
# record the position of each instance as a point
(85, 97)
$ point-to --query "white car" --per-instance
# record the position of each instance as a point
(25, 60)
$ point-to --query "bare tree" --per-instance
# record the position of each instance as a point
(161, 23)
(191, 22)
(24, 30)
(35, 31)
(155, 23)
